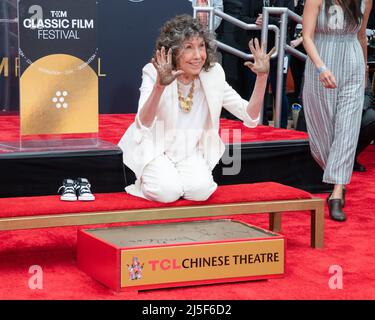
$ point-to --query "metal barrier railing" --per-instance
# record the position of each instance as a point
(212, 12)
(280, 41)
(244, 26)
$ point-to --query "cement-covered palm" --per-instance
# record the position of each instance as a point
(261, 62)
(164, 68)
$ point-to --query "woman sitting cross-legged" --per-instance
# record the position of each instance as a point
(174, 143)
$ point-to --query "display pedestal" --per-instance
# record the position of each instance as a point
(38, 171)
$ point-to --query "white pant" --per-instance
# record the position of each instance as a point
(166, 181)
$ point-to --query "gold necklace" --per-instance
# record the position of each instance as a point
(186, 103)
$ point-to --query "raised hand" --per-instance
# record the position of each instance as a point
(261, 62)
(163, 65)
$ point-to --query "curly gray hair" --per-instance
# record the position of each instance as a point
(175, 31)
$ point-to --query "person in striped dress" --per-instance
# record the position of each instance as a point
(334, 36)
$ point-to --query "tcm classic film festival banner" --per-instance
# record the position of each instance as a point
(58, 61)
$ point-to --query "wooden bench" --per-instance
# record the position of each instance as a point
(269, 197)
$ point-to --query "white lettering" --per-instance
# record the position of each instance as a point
(336, 281)
(36, 281)
(336, 17)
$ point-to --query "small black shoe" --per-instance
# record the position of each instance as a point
(68, 190)
(358, 167)
(335, 210)
(82, 186)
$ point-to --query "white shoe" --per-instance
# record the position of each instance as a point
(82, 186)
(68, 190)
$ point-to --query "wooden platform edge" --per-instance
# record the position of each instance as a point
(273, 208)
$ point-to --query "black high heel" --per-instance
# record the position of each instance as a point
(342, 199)
(335, 210)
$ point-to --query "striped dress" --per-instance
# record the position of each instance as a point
(333, 116)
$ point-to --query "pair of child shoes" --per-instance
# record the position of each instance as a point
(76, 189)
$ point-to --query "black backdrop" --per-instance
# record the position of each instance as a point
(127, 34)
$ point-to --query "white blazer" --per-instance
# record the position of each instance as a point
(140, 144)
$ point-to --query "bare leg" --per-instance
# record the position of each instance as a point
(336, 202)
(337, 191)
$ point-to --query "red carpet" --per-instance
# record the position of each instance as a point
(349, 245)
(44, 205)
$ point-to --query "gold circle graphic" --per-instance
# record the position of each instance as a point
(40, 83)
